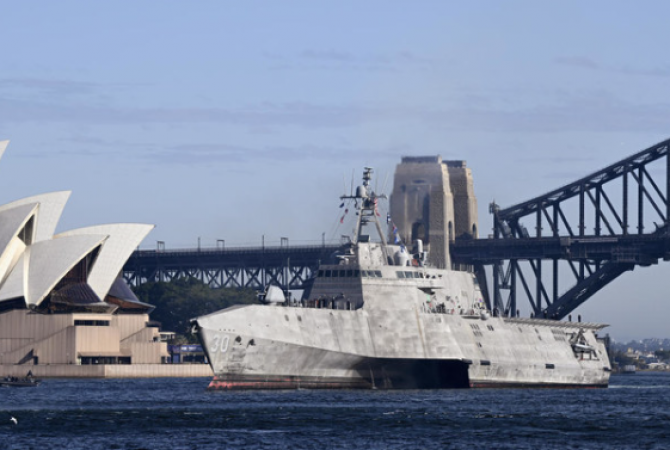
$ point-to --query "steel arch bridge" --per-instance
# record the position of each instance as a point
(582, 236)
(554, 251)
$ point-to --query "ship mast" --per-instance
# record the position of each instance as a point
(365, 200)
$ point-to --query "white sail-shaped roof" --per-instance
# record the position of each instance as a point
(33, 260)
(47, 262)
(123, 239)
(12, 222)
(15, 284)
(50, 210)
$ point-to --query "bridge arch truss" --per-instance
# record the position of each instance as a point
(289, 268)
(558, 249)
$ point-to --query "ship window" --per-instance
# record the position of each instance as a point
(549, 366)
(408, 275)
(350, 273)
(400, 274)
(378, 273)
(320, 273)
(92, 323)
(357, 273)
(328, 273)
(343, 273)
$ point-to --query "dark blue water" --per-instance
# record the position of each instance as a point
(634, 413)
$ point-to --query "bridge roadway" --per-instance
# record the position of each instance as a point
(643, 250)
(253, 267)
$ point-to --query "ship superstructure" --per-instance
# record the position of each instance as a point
(378, 316)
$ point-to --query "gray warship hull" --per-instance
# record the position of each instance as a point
(262, 347)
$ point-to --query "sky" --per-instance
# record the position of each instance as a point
(243, 121)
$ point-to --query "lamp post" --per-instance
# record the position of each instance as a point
(287, 271)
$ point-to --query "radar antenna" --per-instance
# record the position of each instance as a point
(366, 201)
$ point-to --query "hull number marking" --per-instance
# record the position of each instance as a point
(221, 342)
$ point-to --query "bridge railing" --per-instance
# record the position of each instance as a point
(244, 249)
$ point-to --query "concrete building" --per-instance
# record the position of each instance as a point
(63, 303)
(433, 201)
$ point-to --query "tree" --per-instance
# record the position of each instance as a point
(663, 355)
(180, 301)
(622, 359)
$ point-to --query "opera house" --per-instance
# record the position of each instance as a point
(65, 309)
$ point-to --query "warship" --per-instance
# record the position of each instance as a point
(377, 316)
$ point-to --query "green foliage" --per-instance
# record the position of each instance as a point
(186, 298)
(663, 355)
(623, 360)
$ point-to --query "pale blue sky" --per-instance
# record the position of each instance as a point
(233, 120)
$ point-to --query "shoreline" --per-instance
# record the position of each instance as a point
(108, 371)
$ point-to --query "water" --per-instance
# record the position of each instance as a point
(179, 414)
